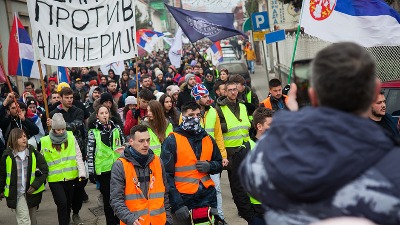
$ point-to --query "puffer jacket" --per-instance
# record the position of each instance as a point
(117, 184)
(32, 200)
(204, 196)
(320, 163)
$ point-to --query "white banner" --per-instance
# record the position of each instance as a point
(175, 52)
(118, 68)
(83, 33)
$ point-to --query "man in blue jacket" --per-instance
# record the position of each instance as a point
(328, 160)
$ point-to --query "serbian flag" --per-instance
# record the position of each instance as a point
(63, 74)
(20, 53)
(147, 39)
(366, 22)
(215, 52)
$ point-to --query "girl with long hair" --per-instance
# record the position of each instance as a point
(105, 143)
(66, 169)
(158, 126)
(169, 110)
(224, 75)
(124, 81)
(23, 171)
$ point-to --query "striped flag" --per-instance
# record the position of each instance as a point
(63, 75)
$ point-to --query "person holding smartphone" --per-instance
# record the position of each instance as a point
(328, 159)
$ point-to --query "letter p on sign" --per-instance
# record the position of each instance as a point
(260, 21)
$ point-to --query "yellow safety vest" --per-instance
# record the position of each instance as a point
(9, 162)
(62, 165)
(210, 119)
(248, 96)
(238, 130)
(253, 200)
(105, 155)
(155, 143)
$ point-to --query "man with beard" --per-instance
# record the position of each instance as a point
(184, 96)
(94, 94)
(112, 89)
(276, 101)
(379, 115)
(145, 83)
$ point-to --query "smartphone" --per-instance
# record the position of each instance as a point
(301, 74)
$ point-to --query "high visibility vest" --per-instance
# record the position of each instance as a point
(248, 97)
(210, 119)
(267, 102)
(187, 177)
(62, 164)
(9, 162)
(253, 200)
(105, 155)
(238, 130)
(151, 207)
(155, 143)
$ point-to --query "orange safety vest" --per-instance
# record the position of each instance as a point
(267, 102)
(187, 177)
(151, 207)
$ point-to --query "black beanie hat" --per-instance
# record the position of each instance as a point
(106, 97)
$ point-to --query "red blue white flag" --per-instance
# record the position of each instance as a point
(63, 74)
(215, 51)
(147, 39)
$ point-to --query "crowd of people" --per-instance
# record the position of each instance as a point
(155, 144)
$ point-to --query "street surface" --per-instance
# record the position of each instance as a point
(47, 213)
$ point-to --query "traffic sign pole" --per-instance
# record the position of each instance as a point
(266, 61)
(279, 61)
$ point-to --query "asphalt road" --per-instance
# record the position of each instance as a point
(47, 213)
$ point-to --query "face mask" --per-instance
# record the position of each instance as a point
(191, 124)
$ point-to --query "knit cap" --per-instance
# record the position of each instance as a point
(132, 84)
(174, 89)
(130, 100)
(158, 72)
(58, 121)
(158, 95)
(188, 76)
(106, 97)
(199, 91)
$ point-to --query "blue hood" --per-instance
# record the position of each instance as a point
(313, 152)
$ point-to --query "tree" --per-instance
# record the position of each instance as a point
(139, 23)
(251, 7)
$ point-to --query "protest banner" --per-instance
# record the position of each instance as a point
(83, 32)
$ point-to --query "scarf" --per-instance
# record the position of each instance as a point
(141, 159)
(58, 139)
(191, 124)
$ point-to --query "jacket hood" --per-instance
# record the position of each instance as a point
(311, 153)
(126, 154)
(91, 93)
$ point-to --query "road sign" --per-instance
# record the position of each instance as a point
(275, 36)
(259, 35)
(246, 25)
(260, 21)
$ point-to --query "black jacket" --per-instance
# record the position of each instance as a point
(32, 200)
(7, 123)
(184, 96)
(203, 197)
(320, 163)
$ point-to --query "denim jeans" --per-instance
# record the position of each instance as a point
(217, 181)
(251, 65)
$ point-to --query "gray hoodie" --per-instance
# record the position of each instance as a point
(117, 186)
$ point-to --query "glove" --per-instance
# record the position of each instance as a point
(203, 166)
(92, 178)
(182, 213)
(136, 113)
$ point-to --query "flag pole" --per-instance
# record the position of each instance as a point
(46, 107)
(295, 44)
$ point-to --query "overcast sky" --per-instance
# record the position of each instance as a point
(210, 5)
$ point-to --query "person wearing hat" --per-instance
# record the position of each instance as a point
(106, 99)
(159, 81)
(130, 103)
(208, 82)
(94, 94)
(66, 168)
(36, 116)
(80, 88)
(184, 96)
(211, 123)
(132, 91)
(169, 75)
